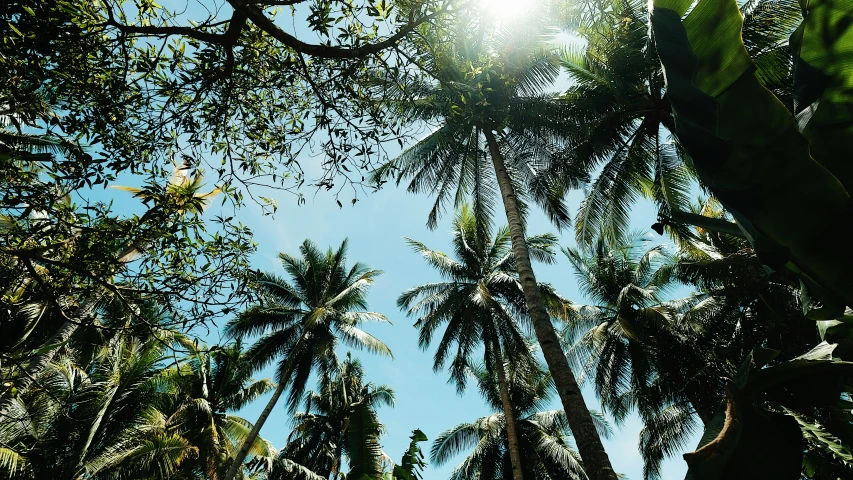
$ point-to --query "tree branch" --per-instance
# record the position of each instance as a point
(215, 38)
(259, 18)
(278, 3)
(244, 10)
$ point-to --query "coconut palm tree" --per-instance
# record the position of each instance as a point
(543, 435)
(300, 323)
(669, 358)
(613, 336)
(97, 420)
(181, 196)
(318, 440)
(478, 303)
(627, 342)
(209, 383)
(341, 421)
(110, 406)
(493, 125)
(642, 350)
(617, 94)
(366, 459)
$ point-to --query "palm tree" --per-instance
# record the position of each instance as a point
(209, 383)
(543, 435)
(618, 95)
(341, 420)
(96, 420)
(301, 321)
(365, 456)
(494, 124)
(630, 343)
(182, 196)
(476, 302)
(614, 336)
(319, 436)
(110, 406)
(668, 358)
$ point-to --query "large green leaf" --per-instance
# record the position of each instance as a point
(413, 460)
(817, 434)
(747, 147)
(713, 28)
(753, 438)
(363, 450)
(823, 82)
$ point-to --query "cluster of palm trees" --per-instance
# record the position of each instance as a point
(131, 397)
(497, 131)
(117, 403)
(120, 403)
(663, 331)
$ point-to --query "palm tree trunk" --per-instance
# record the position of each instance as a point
(509, 417)
(595, 460)
(253, 434)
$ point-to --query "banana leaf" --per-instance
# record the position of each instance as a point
(754, 435)
(783, 181)
(363, 450)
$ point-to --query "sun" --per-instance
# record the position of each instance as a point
(507, 8)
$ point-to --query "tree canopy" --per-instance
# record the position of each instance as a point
(139, 141)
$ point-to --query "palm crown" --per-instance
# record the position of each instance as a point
(543, 434)
(614, 334)
(618, 97)
(209, 384)
(319, 436)
(119, 424)
(301, 321)
(480, 297)
(668, 358)
(484, 84)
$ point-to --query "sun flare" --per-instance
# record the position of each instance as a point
(507, 8)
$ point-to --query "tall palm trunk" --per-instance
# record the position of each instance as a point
(595, 460)
(253, 434)
(80, 315)
(509, 416)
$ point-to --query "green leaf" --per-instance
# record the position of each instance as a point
(413, 463)
(817, 434)
(818, 304)
(714, 32)
(15, 29)
(747, 148)
(49, 348)
(823, 78)
(748, 440)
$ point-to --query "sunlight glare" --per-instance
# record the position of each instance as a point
(507, 8)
